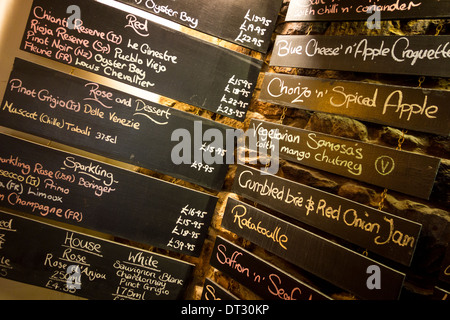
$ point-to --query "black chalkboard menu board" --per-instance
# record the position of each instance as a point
(247, 23)
(61, 186)
(141, 53)
(402, 171)
(413, 55)
(263, 278)
(326, 259)
(40, 254)
(344, 10)
(379, 232)
(417, 109)
(111, 123)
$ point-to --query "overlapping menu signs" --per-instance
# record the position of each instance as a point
(413, 55)
(444, 274)
(418, 109)
(324, 258)
(108, 122)
(344, 10)
(402, 171)
(247, 23)
(379, 232)
(138, 52)
(62, 260)
(61, 186)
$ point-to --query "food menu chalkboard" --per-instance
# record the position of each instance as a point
(40, 254)
(65, 187)
(402, 171)
(326, 259)
(138, 52)
(344, 10)
(376, 231)
(417, 109)
(114, 124)
(412, 55)
(247, 23)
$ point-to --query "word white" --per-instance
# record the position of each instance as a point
(183, 16)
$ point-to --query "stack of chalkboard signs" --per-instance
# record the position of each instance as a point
(384, 236)
(39, 181)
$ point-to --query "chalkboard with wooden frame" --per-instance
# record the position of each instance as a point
(263, 278)
(338, 265)
(345, 10)
(70, 262)
(408, 55)
(57, 185)
(417, 109)
(407, 172)
(129, 49)
(249, 24)
(108, 122)
(376, 231)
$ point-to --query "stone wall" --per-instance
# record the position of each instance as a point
(433, 214)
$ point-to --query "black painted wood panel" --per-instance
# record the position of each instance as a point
(55, 258)
(334, 263)
(77, 190)
(129, 49)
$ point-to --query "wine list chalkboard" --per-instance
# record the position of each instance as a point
(326, 259)
(264, 279)
(417, 109)
(379, 232)
(76, 190)
(143, 54)
(213, 291)
(114, 124)
(43, 255)
(246, 23)
(344, 10)
(411, 55)
(398, 170)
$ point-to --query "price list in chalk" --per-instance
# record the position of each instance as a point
(354, 159)
(86, 266)
(57, 185)
(138, 52)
